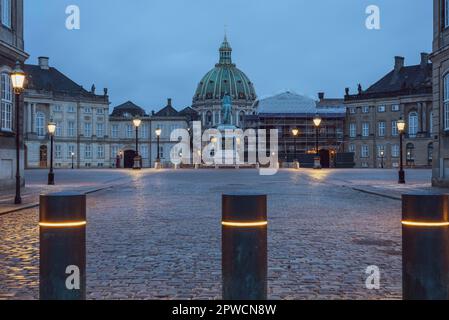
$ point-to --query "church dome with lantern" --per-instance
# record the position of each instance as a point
(224, 79)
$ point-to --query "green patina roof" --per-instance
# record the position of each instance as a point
(225, 78)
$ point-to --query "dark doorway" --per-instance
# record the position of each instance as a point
(43, 156)
(325, 158)
(129, 156)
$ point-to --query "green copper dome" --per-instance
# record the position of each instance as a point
(225, 78)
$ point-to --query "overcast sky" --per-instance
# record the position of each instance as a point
(148, 50)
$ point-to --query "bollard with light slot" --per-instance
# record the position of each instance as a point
(62, 224)
(425, 247)
(244, 247)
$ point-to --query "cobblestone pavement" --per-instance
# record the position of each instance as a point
(158, 236)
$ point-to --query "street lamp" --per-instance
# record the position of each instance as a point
(317, 122)
(158, 158)
(382, 155)
(51, 126)
(73, 155)
(18, 81)
(137, 160)
(401, 129)
(295, 133)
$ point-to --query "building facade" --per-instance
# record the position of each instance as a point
(81, 117)
(288, 111)
(11, 51)
(440, 62)
(224, 79)
(123, 134)
(371, 123)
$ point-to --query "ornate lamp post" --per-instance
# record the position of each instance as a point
(18, 81)
(158, 158)
(317, 122)
(51, 126)
(295, 133)
(401, 129)
(137, 159)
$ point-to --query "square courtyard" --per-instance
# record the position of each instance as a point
(157, 234)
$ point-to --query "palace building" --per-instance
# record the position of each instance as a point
(224, 79)
(81, 119)
(440, 61)
(11, 51)
(372, 115)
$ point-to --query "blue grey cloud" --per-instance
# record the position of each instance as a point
(148, 50)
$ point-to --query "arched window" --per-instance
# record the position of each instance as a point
(413, 124)
(430, 153)
(40, 124)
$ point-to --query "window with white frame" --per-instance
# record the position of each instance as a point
(40, 124)
(58, 151)
(446, 102)
(100, 111)
(6, 102)
(58, 132)
(6, 13)
(71, 109)
(88, 151)
(144, 151)
(351, 148)
(114, 131)
(71, 151)
(365, 129)
(57, 108)
(143, 131)
(114, 151)
(352, 110)
(100, 130)
(365, 151)
(129, 131)
(87, 110)
(395, 150)
(100, 151)
(71, 129)
(413, 124)
(381, 151)
(394, 128)
(161, 152)
(381, 109)
(365, 109)
(352, 130)
(382, 128)
(87, 129)
(395, 108)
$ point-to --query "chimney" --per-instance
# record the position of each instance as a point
(43, 63)
(169, 102)
(424, 59)
(321, 96)
(398, 63)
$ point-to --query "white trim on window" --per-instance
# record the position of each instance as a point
(6, 102)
